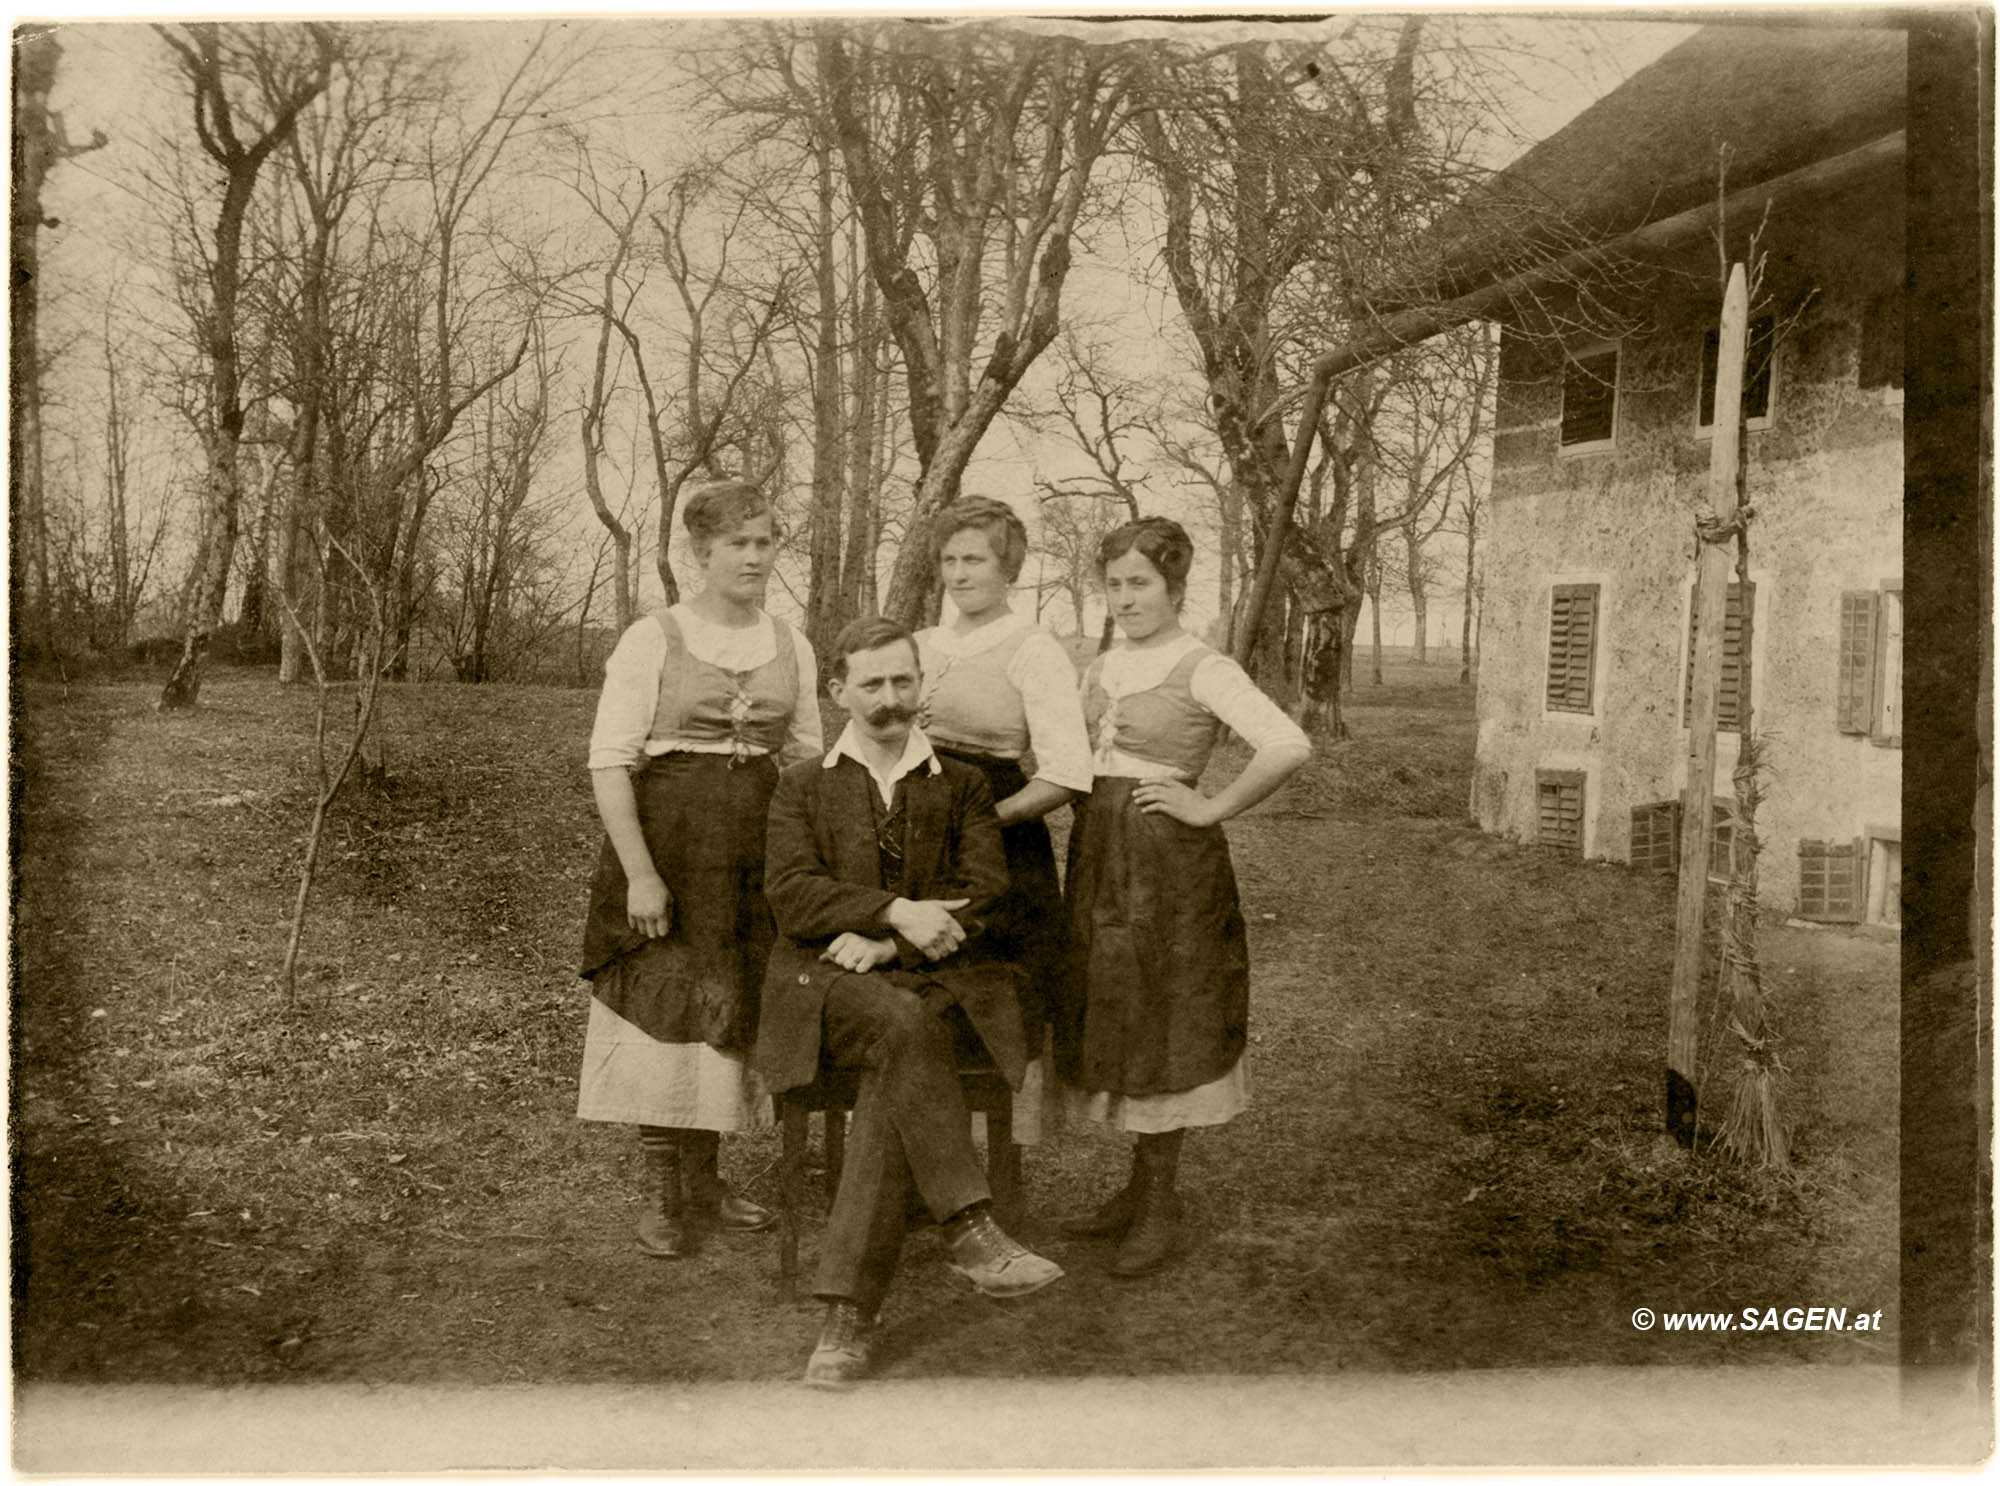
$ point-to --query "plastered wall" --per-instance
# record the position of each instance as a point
(1825, 479)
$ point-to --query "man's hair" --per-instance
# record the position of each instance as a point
(1005, 535)
(871, 632)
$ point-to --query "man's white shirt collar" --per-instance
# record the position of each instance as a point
(917, 754)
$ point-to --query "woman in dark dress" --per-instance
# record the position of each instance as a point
(1000, 693)
(1151, 1038)
(702, 703)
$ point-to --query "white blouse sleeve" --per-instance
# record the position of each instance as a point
(805, 739)
(1047, 681)
(1223, 687)
(631, 692)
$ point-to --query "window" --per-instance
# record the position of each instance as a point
(1882, 342)
(1885, 876)
(1735, 660)
(1758, 358)
(1833, 881)
(1572, 647)
(1868, 694)
(1590, 398)
(1656, 837)
(1559, 811)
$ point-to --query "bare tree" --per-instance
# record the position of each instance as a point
(768, 96)
(332, 288)
(618, 209)
(1372, 581)
(1471, 504)
(728, 326)
(494, 538)
(1259, 181)
(40, 143)
(1110, 420)
(969, 156)
(1072, 527)
(247, 86)
(102, 553)
(331, 775)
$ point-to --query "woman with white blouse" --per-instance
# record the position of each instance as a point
(1151, 1037)
(1000, 693)
(702, 703)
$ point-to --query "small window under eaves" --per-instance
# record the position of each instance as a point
(1590, 398)
(1758, 359)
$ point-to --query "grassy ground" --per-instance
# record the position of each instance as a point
(1451, 1162)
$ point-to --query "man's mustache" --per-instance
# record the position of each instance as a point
(891, 712)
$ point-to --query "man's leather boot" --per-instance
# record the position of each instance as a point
(845, 1350)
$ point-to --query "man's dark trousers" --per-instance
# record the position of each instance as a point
(910, 1124)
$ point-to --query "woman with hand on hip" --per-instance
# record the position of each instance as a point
(702, 703)
(998, 693)
(1151, 1037)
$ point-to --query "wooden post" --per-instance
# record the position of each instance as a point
(1711, 596)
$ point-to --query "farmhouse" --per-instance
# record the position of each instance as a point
(1601, 453)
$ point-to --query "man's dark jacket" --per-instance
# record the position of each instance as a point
(823, 877)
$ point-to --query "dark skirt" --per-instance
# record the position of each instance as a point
(1157, 998)
(704, 822)
(1027, 925)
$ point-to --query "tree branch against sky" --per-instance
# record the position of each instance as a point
(950, 197)
(997, 135)
(245, 88)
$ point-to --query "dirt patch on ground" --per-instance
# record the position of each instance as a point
(1452, 1160)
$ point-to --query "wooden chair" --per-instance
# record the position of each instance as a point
(832, 1097)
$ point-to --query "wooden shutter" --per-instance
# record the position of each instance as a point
(1854, 693)
(1572, 646)
(1885, 696)
(1833, 881)
(1656, 836)
(1735, 660)
(1590, 397)
(1559, 811)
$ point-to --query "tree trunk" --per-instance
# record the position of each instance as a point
(222, 492)
(37, 147)
(823, 582)
(622, 598)
(1413, 572)
(221, 496)
(117, 484)
(1230, 554)
(1465, 620)
(291, 652)
(252, 617)
(1375, 617)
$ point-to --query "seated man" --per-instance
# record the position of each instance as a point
(880, 860)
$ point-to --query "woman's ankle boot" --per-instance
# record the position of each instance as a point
(710, 1196)
(1155, 1226)
(663, 1228)
(1114, 1215)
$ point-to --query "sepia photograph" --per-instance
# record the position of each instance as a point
(979, 740)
